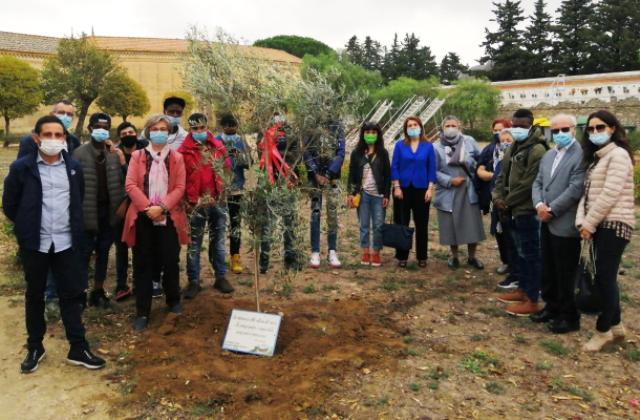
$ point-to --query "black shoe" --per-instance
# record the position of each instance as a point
(175, 309)
(84, 357)
(544, 315)
(30, 363)
(157, 291)
(475, 263)
(453, 263)
(191, 291)
(422, 263)
(223, 285)
(503, 269)
(562, 326)
(140, 323)
(99, 299)
(508, 284)
(402, 263)
(264, 270)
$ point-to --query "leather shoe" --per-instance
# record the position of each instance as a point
(542, 316)
(562, 326)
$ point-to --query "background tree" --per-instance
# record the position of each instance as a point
(296, 45)
(414, 61)
(390, 69)
(125, 97)
(353, 50)
(574, 38)
(474, 101)
(503, 48)
(371, 54)
(450, 68)
(20, 92)
(401, 89)
(616, 33)
(79, 71)
(537, 42)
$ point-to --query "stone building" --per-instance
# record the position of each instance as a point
(155, 63)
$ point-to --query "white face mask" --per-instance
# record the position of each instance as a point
(52, 147)
(451, 132)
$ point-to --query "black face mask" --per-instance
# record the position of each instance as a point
(129, 141)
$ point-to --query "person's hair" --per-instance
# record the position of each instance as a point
(64, 102)
(153, 120)
(423, 137)
(524, 113)
(450, 118)
(228, 120)
(97, 116)
(196, 119)
(174, 100)
(124, 125)
(560, 117)
(47, 119)
(506, 131)
(362, 145)
(505, 123)
(619, 136)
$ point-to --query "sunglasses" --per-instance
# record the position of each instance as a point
(596, 128)
(563, 129)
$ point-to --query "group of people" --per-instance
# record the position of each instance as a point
(155, 191)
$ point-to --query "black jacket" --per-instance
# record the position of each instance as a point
(22, 200)
(380, 166)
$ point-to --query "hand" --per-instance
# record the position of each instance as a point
(350, 202)
(585, 234)
(121, 157)
(457, 181)
(321, 180)
(500, 205)
(544, 213)
(155, 213)
(428, 195)
(206, 201)
(385, 203)
(397, 193)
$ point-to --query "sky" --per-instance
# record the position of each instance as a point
(443, 25)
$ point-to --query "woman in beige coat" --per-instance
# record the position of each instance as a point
(606, 216)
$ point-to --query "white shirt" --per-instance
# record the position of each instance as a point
(176, 139)
(55, 222)
(560, 152)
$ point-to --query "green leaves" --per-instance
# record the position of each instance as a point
(20, 92)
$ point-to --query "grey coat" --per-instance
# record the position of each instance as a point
(562, 191)
(445, 192)
(86, 155)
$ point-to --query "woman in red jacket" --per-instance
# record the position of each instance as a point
(156, 224)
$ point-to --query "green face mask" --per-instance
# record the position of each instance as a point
(370, 138)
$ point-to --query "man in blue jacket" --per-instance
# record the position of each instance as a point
(65, 111)
(43, 198)
(323, 157)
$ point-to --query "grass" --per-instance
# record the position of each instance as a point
(478, 362)
(557, 385)
(329, 287)
(414, 387)
(390, 285)
(633, 355)
(494, 388)
(543, 365)
(554, 347)
(309, 289)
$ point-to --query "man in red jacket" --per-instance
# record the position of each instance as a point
(203, 156)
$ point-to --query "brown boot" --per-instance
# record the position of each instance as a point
(524, 308)
(598, 341)
(516, 296)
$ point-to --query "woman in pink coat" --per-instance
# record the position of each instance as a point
(156, 224)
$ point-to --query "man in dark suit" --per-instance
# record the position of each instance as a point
(43, 198)
(556, 193)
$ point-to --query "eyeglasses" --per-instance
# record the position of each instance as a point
(596, 128)
(563, 129)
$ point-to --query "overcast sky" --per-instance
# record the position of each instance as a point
(443, 25)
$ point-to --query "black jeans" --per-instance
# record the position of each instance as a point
(560, 258)
(413, 202)
(122, 257)
(155, 243)
(99, 242)
(608, 249)
(69, 283)
(235, 222)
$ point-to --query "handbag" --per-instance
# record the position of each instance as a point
(397, 236)
(586, 295)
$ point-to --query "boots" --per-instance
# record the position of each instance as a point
(236, 265)
(598, 341)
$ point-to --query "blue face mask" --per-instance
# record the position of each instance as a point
(65, 119)
(599, 139)
(519, 134)
(562, 139)
(158, 137)
(200, 136)
(99, 134)
(174, 120)
(413, 132)
(504, 146)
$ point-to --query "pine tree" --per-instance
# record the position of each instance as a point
(353, 50)
(450, 68)
(537, 42)
(414, 61)
(504, 48)
(617, 35)
(371, 54)
(574, 38)
(390, 67)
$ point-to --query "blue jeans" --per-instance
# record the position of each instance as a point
(216, 217)
(333, 196)
(526, 236)
(370, 214)
(51, 291)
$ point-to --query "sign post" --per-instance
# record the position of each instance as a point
(252, 333)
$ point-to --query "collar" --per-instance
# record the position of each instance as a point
(39, 160)
(606, 149)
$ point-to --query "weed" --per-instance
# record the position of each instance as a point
(414, 387)
(544, 365)
(554, 347)
(494, 388)
(308, 289)
(633, 355)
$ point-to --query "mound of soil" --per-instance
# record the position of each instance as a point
(320, 344)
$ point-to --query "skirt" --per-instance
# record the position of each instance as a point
(464, 224)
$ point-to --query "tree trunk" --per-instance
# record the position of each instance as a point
(84, 110)
(7, 130)
(124, 118)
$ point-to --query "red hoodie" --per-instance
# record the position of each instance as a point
(201, 176)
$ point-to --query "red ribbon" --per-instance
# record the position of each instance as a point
(275, 158)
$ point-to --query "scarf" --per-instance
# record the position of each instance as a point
(158, 175)
(276, 160)
(454, 150)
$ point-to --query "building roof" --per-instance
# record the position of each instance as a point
(10, 41)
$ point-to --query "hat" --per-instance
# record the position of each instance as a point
(99, 117)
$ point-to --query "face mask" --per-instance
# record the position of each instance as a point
(52, 147)
(519, 133)
(230, 138)
(451, 132)
(129, 141)
(174, 120)
(504, 146)
(562, 139)
(599, 138)
(158, 137)
(200, 136)
(370, 138)
(65, 119)
(413, 132)
(100, 135)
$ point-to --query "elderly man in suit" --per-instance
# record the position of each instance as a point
(556, 193)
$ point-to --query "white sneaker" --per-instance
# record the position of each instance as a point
(334, 261)
(314, 261)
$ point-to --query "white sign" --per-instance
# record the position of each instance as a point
(252, 332)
